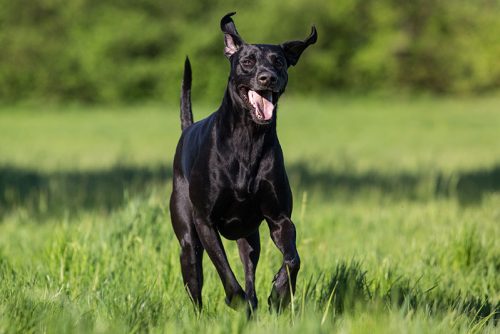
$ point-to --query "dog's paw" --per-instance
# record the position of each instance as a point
(252, 304)
(278, 299)
(237, 301)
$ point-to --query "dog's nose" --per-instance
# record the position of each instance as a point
(267, 79)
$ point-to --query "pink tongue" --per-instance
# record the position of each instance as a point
(262, 103)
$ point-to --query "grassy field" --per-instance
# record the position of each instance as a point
(397, 207)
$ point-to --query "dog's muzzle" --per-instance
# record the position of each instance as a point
(262, 102)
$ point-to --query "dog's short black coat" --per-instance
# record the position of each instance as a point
(229, 173)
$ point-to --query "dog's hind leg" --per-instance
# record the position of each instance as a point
(191, 248)
(249, 248)
(191, 265)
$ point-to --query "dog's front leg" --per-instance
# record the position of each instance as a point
(210, 239)
(283, 234)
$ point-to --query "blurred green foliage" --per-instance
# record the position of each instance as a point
(130, 50)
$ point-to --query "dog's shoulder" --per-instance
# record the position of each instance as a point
(198, 131)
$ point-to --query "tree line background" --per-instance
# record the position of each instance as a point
(107, 51)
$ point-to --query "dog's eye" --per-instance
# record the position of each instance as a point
(248, 62)
(278, 62)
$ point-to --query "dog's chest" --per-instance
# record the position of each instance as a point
(236, 218)
(242, 179)
(244, 182)
(237, 196)
(240, 156)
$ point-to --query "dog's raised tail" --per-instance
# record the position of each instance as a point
(186, 112)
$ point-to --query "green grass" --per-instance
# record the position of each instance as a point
(361, 133)
(396, 207)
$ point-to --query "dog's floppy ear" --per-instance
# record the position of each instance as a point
(294, 49)
(232, 39)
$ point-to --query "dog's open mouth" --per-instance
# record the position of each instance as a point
(262, 103)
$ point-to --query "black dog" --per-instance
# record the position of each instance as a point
(229, 173)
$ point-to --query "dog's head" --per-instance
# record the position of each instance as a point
(259, 71)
